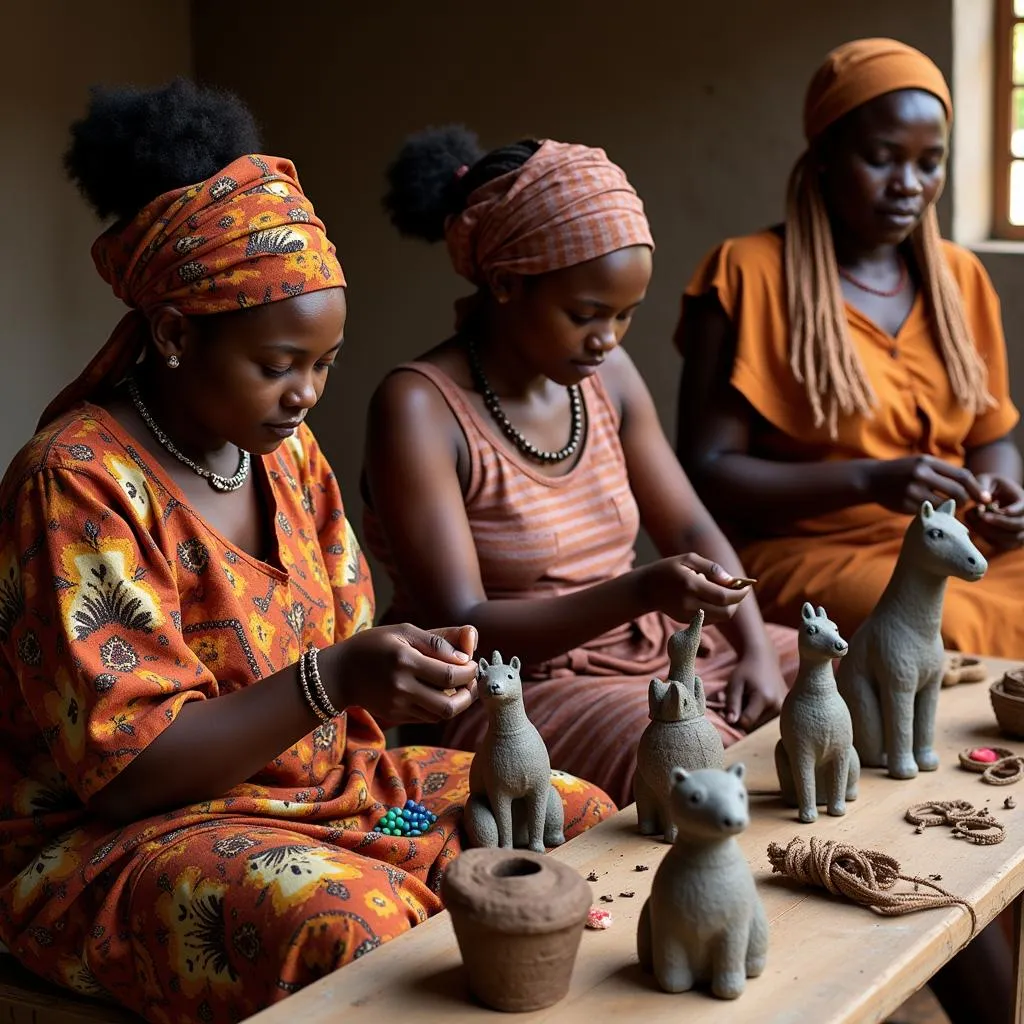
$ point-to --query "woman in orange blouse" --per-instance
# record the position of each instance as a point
(845, 367)
(192, 778)
(851, 364)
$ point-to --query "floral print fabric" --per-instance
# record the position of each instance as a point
(118, 605)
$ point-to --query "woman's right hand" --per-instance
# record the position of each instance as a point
(400, 673)
(901, 485)
(680, 585)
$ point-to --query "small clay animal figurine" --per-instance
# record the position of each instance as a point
(679, 735)
(816, 759)
(704, 921)
(512, 801)
(891, 678)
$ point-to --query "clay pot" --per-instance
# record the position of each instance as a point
(518, 917)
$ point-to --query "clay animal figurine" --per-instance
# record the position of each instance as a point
(816, 759)
(704, 921)
(890, 679)
(679, 735)
(512, 801)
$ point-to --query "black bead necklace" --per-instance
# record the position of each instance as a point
(528, 448)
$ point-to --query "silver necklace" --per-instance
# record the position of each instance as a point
(527, 447)
(215, 480)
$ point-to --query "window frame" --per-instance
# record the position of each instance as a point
(1003, 157)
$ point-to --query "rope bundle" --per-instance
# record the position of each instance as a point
(863, 876)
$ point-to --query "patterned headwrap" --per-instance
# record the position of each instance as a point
(567, 204)
(246, 236)
(857, 72)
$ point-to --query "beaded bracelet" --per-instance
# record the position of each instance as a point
(310, 656)
(307, 692)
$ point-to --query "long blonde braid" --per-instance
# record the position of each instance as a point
(822, 355)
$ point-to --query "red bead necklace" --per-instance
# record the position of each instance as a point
(881, 293)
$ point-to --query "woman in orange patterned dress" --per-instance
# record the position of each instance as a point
(191, 773)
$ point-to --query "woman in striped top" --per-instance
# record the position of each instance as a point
(480, 508)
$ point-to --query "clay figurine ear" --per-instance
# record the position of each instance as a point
(926, 509)
(514, 664)
(678, 775)
(482, 665)
(496, 658)
(948, 507)
(807, 611)
(739, 770)
(822, 613)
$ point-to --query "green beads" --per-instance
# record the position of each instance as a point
(411, 820)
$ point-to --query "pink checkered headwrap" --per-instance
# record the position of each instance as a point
(566, 205)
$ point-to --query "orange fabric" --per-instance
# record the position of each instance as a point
(566, 205)
(538, 536)
(862, 70)
(117, 606)
(842, 558)
(246, 236)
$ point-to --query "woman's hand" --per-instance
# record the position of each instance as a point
(680, 585)
(755, 691)
(1000, 521)
(901, 485)
(401, 673)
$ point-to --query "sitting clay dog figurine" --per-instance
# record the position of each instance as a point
(704, 922)
(512, 801)
(815, 759)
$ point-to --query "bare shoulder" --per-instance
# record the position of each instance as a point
(622, 380)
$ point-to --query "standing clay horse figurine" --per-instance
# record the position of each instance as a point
(890, 679)
(704, 921)
(679, 735)
(512, 801)
(816, 759)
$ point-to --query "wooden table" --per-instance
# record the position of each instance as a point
(828, 961)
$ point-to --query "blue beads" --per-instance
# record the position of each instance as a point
(411, 820)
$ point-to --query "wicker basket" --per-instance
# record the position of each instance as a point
(1008, 708)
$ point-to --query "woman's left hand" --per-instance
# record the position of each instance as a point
(1003, 526)
(755, 691)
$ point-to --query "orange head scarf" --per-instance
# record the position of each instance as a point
(822, 356)
(857, 72)
(567, 204)
(246, 236)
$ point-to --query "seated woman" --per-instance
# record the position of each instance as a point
(192, 775)
(509, 468)
(843, 368)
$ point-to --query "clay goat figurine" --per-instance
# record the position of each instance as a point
(704, 921)
(512, 801)
(679, 735)
(816, 759)
(890, 679)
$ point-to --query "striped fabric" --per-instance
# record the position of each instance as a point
(567, 204)
(540, 536)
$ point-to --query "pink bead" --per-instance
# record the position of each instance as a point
(599, 919)
(984, 754)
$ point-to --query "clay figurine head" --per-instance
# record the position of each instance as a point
(940, 544)
(670, 702)
(682, 648)
(499, 682)
(710, 803)
(819, 636)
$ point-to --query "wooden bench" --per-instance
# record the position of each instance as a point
(829, 962)
(26, 999)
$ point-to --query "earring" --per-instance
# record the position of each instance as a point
(173, 361)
